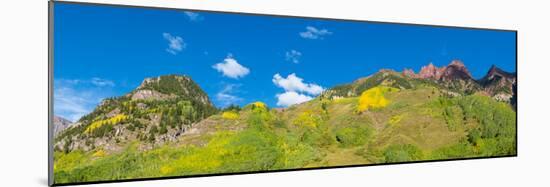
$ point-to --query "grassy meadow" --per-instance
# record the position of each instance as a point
(382, 125)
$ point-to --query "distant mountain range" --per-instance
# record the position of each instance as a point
(454, 79)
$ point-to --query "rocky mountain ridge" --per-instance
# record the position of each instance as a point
(157, 111)
(455, 70)
(454, 79)
(500, 84)
(60, 124)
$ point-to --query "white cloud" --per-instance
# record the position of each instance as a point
(231, 68)
(290, 98)
(102, 82)
(295, 83)
(175, 43)
(226, 97)
(193, 16)
(69, 104)
(293, 56)
(74, 98)
(314, 33)
(296, 91)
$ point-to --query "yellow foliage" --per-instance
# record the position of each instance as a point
(166, 170)
(113, 120)
(99, 153)
(307, 119)
(230, 115)
(259, 104)
(286, 150)
(68, 161)
(206, 158)
(219, 141)
(374, 98)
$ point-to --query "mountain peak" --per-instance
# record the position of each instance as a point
(495, 70)
(499, 83)
(407, 72)
(167, 106)
(152, 80)
(60, 124)
(493, 67)
(170, 87)
(429, 71)
(496, 74)
(458, 63)
(455, 70)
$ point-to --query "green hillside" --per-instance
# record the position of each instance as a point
(158, 111)
(400, 124)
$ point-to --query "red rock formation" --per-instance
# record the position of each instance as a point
(455, 70)
(409, 73)
(430, 71)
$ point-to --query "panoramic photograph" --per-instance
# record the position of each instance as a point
(143, 93)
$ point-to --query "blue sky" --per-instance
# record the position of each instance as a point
(102, 51)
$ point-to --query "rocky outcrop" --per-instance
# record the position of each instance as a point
(429, 72)
(147, 94)
(170, 87)
(409, 73)
(455, 70)
(499, 84)
(60, 124)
